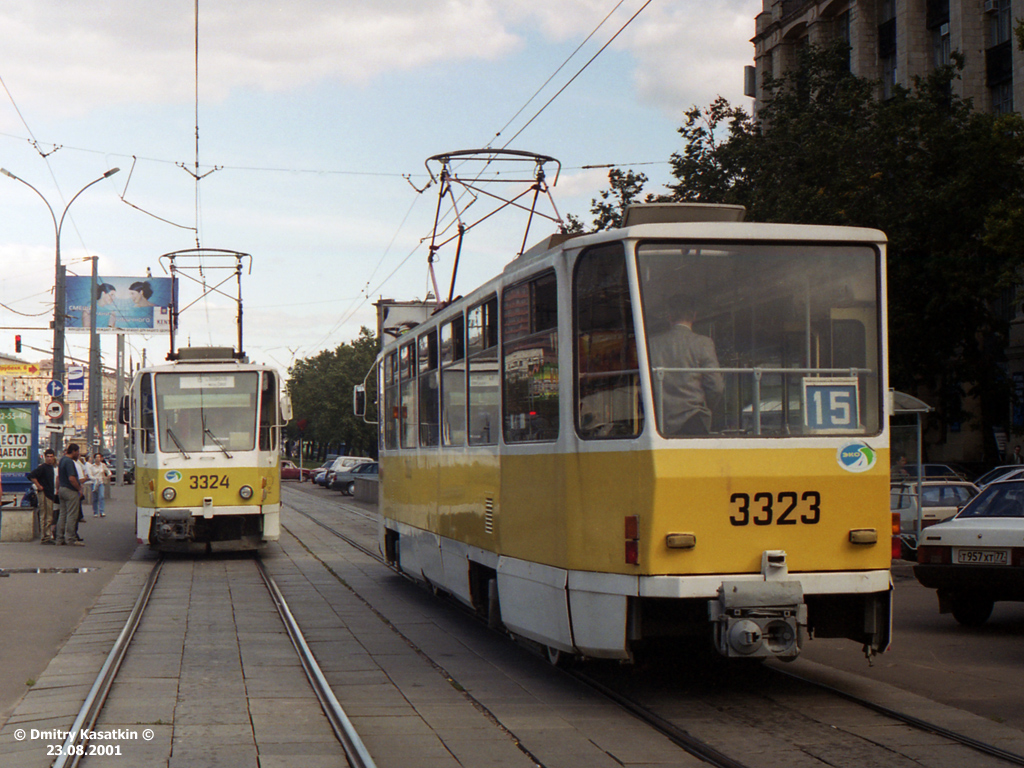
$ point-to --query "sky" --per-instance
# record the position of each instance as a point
(314, 121)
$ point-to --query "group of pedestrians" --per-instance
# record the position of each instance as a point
(60, 488)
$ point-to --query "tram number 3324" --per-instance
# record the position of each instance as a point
(785, 508)
(208, 482)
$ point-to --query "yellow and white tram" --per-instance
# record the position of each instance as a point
(538, 459)
(206, 431)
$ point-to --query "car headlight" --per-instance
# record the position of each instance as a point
(168, 494)
(245, 492)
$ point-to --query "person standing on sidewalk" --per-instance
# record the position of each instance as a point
(99, 477)
(44, 478)
(70, 494)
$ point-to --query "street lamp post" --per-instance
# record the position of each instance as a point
(58, 292)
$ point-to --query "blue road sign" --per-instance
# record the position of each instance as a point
(54, 388)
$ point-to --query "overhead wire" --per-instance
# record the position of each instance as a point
(346, 316)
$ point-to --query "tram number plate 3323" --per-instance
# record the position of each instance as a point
(784, 508)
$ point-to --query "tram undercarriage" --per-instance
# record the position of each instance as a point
(607, 615)
(178, 530)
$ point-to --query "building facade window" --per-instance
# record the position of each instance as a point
(887, 45)
(999, 57)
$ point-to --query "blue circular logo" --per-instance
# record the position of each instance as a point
(856, 457)
(172, 476)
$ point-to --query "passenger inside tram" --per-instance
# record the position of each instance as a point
(687, 396)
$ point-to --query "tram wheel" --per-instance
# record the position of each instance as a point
(558, 658)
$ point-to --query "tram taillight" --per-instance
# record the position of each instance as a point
(633, 539)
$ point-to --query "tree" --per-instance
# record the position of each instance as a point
(321, 391)
(944, 182)
(624, 187)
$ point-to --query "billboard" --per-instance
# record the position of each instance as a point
(123, 304)
(19, 438)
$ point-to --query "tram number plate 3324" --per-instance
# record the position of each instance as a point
(208, 482)
(785, 508)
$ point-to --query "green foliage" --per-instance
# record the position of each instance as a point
(321, 391)
(944, 182)
(624, 187)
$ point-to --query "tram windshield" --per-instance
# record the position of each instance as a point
(206, 411)
(762, 340)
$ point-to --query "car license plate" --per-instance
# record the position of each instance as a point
(982, 556)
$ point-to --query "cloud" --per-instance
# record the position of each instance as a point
(68, 59)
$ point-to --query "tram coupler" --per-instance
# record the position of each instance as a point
(759, 619)
(173, 525)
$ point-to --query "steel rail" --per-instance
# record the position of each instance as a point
(914, 722)
(70, 755)
(355, 750)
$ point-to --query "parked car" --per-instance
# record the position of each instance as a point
(976, 558)
(342, 464)
(936, 472)
(319, 475)
(291, 471)
(346, 481)
(941, 500)
(1004, 472)
(129, 468)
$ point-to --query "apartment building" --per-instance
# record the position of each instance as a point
(894, 41)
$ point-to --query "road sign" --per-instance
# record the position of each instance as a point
(76, 378)
(53, 427)
(55, 409)
(55, 388)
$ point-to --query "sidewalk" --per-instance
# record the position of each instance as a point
(42, 610)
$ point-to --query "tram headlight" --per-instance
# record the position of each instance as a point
(245, 492)
(168, 494)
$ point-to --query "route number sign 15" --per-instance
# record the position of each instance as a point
(832, 404)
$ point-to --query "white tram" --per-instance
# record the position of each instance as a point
(206, 431)
(534, 463)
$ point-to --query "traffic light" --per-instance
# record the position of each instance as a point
(17, 343)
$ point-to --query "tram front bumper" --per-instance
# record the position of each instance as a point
(173, 525)
(759, 619)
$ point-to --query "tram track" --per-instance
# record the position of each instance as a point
(677, 732)
(76, 744)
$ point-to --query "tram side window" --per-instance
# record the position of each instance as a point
(453, 382)
(407, 423)
(608, 401)
(529, 318)
(147, 414)
(429, 403)
(482, 348)
(268, 412)
(391, 409)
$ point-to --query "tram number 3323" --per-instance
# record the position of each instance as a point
(785, 508)
(208, 482)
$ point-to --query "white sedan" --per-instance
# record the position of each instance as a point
(977, 557)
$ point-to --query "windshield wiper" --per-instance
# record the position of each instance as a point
(177, 442)
(219, 444)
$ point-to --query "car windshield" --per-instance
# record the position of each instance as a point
(998, 500)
